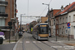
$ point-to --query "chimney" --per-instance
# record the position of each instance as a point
(62, 8)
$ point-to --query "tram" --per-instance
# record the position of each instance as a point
(40, 31)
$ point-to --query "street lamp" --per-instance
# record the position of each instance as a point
(21, 20)
(48, 12)
(48, 15)
(47, 5)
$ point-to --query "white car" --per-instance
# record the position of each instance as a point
(2, 35)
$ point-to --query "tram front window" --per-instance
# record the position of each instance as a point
(44, 30)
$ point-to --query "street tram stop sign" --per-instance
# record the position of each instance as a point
(68, 24)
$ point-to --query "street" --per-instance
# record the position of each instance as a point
(7, 46)
(27, 42)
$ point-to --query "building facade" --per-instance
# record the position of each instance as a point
(43, 19)
(7, 13)
(65, 16)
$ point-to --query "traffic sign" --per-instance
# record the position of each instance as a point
(68, 27)
(68, 24)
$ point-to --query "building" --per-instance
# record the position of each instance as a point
(65, 16)
(44, 19)
(51, 20)
(7, 13)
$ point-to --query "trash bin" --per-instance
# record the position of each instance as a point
(1, 40)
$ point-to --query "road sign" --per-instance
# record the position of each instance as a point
(68, 24)
(68, 27)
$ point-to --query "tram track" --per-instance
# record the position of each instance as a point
(49, 45)
(35, 44)
(31, 39)
(23, 45)
(43, 43)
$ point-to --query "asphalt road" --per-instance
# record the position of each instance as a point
(7, 46)
(27, 42)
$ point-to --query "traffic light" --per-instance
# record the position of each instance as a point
(10, 25)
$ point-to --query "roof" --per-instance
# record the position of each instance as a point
(67, 9)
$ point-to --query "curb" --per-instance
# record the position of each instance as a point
(16, 44)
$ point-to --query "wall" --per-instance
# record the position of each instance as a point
(43, 19)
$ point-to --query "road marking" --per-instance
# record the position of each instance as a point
(34, 41)
(52, 41)
(59, 41)
(45, 41)
(64, 47)
(56, 46)
(27, 41)
(16, 45)
(69, 47)
(38, 41)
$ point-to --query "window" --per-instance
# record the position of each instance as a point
(60, 31)
(54, 21)
(74, 18)
(52, 14)
(63, 26)
(66, 19)
(66, 31)
(43, 30)
(60, 20)
(2, 9)
(69, 18)
(2, 22)
(63, 20)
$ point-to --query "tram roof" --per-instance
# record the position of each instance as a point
(39, 24)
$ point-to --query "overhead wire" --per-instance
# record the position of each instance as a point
(28, 8)
(34, 13)
(45, 8)
(43, 11)
(50, 1)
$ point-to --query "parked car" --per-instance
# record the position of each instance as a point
(2, 37)
(20, 33)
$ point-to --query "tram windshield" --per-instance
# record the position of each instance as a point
(43, 30)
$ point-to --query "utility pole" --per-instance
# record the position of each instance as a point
(48, 15)
(20, 21)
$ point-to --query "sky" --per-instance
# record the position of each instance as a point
(36, 8)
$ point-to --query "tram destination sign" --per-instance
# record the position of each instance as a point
(43, 25)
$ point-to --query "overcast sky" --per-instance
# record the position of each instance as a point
(36, 8)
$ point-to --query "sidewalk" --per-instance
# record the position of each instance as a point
(13, 39)
(64, 40)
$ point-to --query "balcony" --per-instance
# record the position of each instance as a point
(3, 3)
(3, 15)
(4, 27)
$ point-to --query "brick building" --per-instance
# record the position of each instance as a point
(7, 13)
